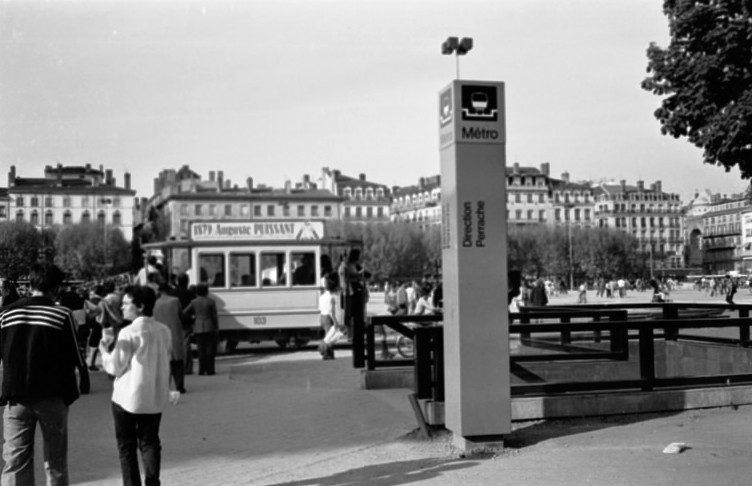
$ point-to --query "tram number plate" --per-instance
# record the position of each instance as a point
(259, 320)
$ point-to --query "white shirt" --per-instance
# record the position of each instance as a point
(140, 363)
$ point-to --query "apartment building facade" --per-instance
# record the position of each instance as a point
(68, 195)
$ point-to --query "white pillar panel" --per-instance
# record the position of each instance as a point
(474, 259)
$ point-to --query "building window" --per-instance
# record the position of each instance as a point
(48, 219)
(530, 214)
(380, 212)
(518, 214)
(34, 217)
(517, 197)
(270, 210)
(529, 198)
(184, 210)
(67, 218)
(197, 210)
(358, 194)
(84, 202)
(19, 216)
(116, 202)
(34, 203)
(286, 210)
(541, 215)
(314, 211)
(2, 212)
(116, 218)
(358, 212)
(228, 209)
(85, 217)
(347, 193)
(19, 202)
(257, 211)
(557, 214)
(101, 219)
(66, 202)
(347, 211)
(301, 210)
(369, 212)
(213, 210)
(327, 211)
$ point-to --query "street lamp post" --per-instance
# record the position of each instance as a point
(459, 47)
(567, 208)
(104, 202)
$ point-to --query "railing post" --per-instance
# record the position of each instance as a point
(670, 312)
(566, 336)
(370, 345)
(647, 357)
(438, 363)
(422, 362)
(744, 328)
(596, 332)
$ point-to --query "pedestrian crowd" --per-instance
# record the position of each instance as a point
(138, 333)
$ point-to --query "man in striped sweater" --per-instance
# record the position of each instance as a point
(39, 352)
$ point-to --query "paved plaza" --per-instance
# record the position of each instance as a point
(289, 418)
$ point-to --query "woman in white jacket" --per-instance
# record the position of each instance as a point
(140, 363)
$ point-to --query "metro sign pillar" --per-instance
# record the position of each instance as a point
(474, 260)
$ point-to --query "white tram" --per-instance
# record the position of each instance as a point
(264, 275)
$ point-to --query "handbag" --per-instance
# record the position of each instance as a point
(333, 335)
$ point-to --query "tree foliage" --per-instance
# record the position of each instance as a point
(393, 251)
(20, 245)
(705, 77)
(85, 251)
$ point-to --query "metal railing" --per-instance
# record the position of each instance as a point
(576, 333)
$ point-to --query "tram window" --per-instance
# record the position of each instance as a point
(273, 269)
(304, 268)
(242, 270)
(212, 270)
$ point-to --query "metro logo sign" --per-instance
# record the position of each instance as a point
(471, 112)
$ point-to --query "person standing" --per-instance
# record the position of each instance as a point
(730, 289)
(140, 363)
(538, 295)
(39, 352)
(203, 310)
(168, 311)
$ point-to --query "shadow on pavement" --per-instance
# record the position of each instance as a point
(525, 434)
(387, 474)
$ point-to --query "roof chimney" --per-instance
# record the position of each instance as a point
(658, 187)
(516, 168)
(249, 183)
(211, 176)
(362, 177)
(127, 180)
(640, 186)
(12, 176)
(623, 184)
(288, 187)
(565, 176)
(545, 168)
(220, 180)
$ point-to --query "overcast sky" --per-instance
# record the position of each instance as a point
(274, 89)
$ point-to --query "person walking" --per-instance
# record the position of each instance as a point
(328, 304)
(39, 351)
(185, 295)
(168, 311)
(140, 363)
(203, 310)
(538, 295)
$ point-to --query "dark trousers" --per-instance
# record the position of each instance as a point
(138, 432)
(188, 363)
(176, 371)
(207, 350)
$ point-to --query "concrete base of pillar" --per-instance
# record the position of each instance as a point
(479, 443)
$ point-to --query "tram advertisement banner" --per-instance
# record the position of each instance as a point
(257, 231)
